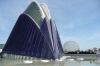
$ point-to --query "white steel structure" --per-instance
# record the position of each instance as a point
(71, 46)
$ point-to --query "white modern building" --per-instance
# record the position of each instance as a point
(34, 35)
(71, 46)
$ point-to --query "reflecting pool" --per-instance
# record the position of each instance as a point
(67, 62)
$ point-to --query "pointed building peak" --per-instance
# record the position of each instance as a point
(46, 10)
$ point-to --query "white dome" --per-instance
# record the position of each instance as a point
(71, 46)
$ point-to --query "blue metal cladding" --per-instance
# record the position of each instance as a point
(58, 50)
(48, 29)
(54, 35)
(45, 30)
(27, 39)
(61, 52)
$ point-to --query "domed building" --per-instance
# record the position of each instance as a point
(71, 46)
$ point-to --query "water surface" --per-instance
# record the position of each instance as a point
(67, 62)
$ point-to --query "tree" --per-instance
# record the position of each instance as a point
(95, 49)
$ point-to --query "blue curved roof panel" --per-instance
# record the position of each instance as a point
(27, 39)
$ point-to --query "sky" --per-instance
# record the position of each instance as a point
(77, 20)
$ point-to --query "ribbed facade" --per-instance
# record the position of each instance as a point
(34, 39)
(71, 46)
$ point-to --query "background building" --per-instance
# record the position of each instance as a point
(71, 46)
(1, 47)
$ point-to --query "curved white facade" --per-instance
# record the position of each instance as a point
(71, 46)
(46, 10)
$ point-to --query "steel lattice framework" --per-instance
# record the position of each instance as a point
(34, 35)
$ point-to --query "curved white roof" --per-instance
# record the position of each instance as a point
(46, 10)
(43, 15)
(35, 12)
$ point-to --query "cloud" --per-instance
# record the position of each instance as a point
(71, 26)
(71, 14)
(68, 14)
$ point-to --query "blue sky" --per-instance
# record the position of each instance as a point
(77, 20)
